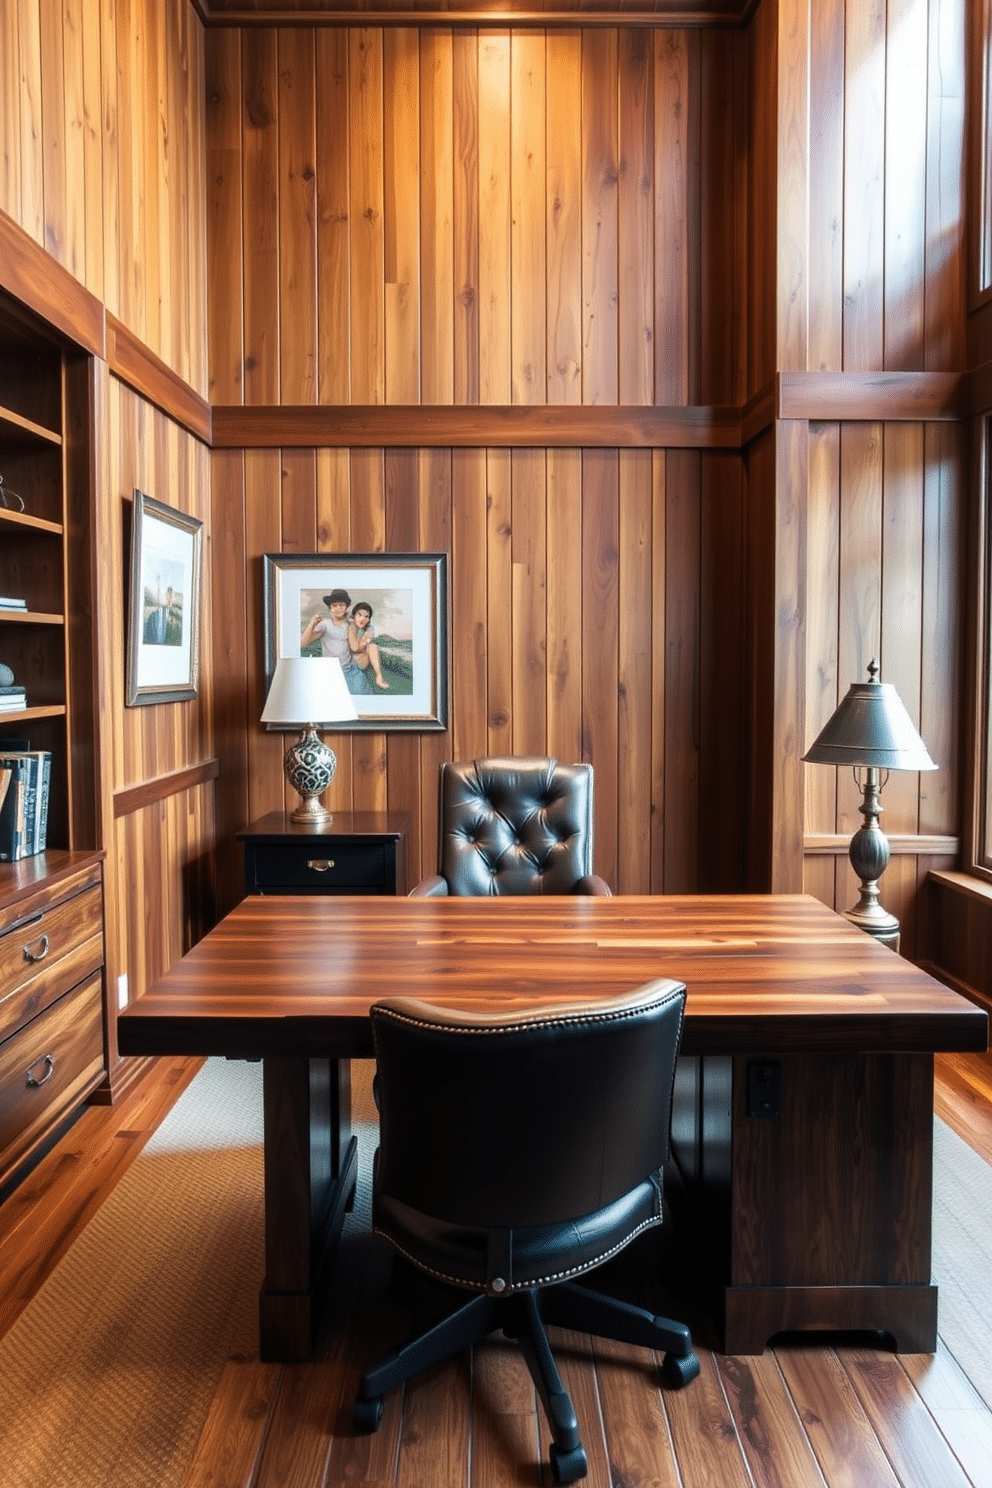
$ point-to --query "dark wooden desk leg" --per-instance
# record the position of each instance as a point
(830, 1209)
(310, 1168)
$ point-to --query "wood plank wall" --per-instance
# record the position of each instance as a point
(882, 188)
(160, 834)
(496, 218)
(102, 166)
(584, 216)
(669, 249)
(102, 158)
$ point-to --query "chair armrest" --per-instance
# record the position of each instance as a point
(431, 887)
(591, 883)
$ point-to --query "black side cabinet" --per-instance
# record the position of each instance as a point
(356, 852)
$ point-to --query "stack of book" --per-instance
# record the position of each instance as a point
(8, 602)
(12, 699)
(24, 781)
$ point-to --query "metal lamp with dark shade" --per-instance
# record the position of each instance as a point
(872, 732)
(309, 692)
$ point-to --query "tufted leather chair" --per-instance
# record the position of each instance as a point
(514, 826)
(518, 1152)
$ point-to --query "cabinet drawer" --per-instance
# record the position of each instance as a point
(45, 954)
(351, 867)
(47, 1067)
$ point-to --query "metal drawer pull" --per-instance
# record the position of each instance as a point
(29, 1079)
(40, 953)
(320, 865)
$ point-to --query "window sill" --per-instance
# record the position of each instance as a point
(967, 885)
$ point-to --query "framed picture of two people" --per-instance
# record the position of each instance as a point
(383, 615)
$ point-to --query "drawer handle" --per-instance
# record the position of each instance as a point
(31, 1081)
(320, 865)
(40, 953)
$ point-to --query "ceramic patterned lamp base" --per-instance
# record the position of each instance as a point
(310, 766)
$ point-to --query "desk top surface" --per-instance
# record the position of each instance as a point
(765, 973)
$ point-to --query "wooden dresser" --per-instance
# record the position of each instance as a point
(51, 996)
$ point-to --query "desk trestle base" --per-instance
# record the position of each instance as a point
(754, 1315)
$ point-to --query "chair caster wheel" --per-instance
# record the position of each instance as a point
(678, 1370)
(568, 1467)
(366, 1415)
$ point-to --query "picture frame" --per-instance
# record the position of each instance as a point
(163, 653)
(398, 676)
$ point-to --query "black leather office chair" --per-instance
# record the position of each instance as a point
(514, 826)
(517, 1153)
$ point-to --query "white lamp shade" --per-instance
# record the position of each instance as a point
(308, 689)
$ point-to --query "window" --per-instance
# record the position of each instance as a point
(983, 55)
(981, 853)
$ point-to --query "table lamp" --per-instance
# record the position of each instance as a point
(871, 731)
(308, 692)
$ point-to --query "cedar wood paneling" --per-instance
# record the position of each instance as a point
(517, 239)
(565, 216)
(102, 166)
(448, 240)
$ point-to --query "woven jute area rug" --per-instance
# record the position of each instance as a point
(962, 1254)
(108, 1375)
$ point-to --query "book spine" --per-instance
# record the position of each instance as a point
(30, 797)
(12, 812)
(22, 793)
(7, 809)
(46, 778)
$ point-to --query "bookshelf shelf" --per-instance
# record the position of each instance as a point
(14, 427)
(22, 519)
(29, 617)
(6, 719)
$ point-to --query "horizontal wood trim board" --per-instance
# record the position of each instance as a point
(814, 396)
(871, 396)
(731, 13)
(759, 413)
(978, 397)
(475, 426)
(144, 373)
(930, 847)
(135, 797)
(40, 282)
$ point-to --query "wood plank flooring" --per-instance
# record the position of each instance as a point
(829, 1414)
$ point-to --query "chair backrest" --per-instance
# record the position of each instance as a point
(514, 826)
(530, 1119)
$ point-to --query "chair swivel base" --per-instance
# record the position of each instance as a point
(522, 1317)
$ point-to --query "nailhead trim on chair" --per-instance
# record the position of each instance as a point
(500, 1028)
(522, 1286)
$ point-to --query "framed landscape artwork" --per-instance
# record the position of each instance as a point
(164, 617)
(383, 615)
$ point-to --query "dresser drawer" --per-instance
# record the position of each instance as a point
(47, 1067)
(43, 954)
(324, 866)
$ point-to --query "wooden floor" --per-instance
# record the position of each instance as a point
(833, 1415)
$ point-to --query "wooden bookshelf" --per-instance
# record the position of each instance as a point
(53, 1013)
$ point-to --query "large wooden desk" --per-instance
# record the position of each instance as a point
(818, 1216)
